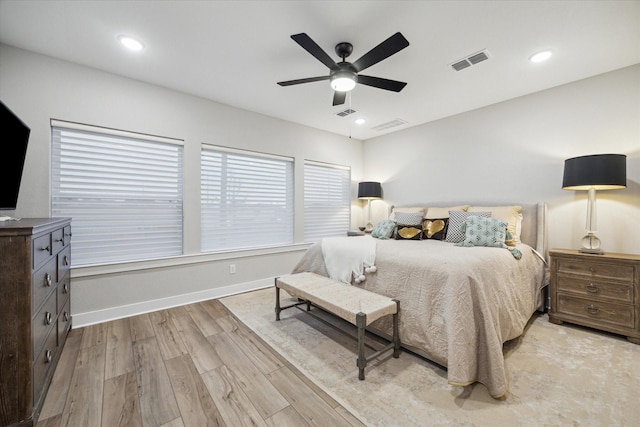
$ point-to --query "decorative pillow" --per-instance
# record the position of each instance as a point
(384, 229)
(409, 218)
(409, 232)
(490, 232)
(456, 219)
(395, 210)
(481, 231)
(435, 229)
(436, 213)
(511, 214)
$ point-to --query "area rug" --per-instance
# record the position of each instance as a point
(559, 375)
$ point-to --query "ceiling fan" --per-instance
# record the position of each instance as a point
(343, 76)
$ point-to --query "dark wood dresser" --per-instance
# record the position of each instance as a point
(599, 291)
(35, 316)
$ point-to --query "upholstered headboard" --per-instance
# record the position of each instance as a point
(534, 223)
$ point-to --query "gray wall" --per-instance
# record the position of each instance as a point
(512, 151)
(515, 151)
(38, 88)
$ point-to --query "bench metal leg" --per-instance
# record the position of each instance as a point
(278, 309)
(361, 323)
(396, 334)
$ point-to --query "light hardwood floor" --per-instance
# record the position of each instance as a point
(194, 365)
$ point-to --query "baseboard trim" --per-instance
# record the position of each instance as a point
(99, 316)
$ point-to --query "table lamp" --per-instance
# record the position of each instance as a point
(595, 172)
(369, 191)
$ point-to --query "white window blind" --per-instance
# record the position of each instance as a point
(122, 190)
(327, 201)
(246, 199)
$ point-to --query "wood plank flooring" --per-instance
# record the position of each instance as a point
(194, 365)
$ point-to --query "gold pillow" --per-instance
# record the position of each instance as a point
(435, 229)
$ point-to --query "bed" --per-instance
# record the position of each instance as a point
(458, 304)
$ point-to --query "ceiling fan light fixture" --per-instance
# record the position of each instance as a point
(343, 81)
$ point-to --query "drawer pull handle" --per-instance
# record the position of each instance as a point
(47, 356)
(47, 318)
(45, 248)
(592, 309)
(68, 234)
(592, 288)
(47, 280)
(65, 288)
(65, 316)
(66, 260)
(59, 240)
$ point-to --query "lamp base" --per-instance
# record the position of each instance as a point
(368, 228)
(591, 245)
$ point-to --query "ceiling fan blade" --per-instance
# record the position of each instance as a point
(390, 46)
(299, 81)
(339, 97)
(380, 83)
(312, 47)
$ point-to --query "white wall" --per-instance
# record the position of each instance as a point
(515, 151)
(38, 88)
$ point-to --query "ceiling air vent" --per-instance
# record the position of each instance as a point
(346, 112)
(387, 125)
(470, 60)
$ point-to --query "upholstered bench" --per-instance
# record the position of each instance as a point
(355, 305)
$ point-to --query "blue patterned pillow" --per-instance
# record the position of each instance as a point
(384, 229)
(456, 220)
(481, 231)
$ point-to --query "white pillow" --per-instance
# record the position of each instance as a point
(439, 213)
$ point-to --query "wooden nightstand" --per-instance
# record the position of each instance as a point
(599, 291)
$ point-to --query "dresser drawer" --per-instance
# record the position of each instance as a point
(41, 250)
(43, 282)
(596, 270)
(43, 322)
(57, 240)
(64, 323)
(67, 234)
(42, 364)
(64, 262)
(596, 310)
(63, 290)
(596, 289)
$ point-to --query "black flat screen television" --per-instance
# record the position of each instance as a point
(13, 152)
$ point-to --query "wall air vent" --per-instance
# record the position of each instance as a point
(470, 60)
(346, 112)
(387, 125)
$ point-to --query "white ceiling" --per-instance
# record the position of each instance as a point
(234, 52)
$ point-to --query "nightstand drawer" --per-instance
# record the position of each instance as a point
(596, 270)
(597, 311)
(596, 290)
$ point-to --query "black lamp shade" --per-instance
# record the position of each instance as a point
(599, 171)
(369, 190)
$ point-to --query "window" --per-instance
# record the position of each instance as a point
(122, 190)
(246, 199)
(327, 200)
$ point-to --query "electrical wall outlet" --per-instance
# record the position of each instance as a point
(232, 269)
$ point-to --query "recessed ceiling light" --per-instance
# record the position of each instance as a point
(360, 121)
(131, 43)
(540, 56)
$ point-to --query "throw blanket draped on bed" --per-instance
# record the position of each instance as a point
(458, 304)
(344, 256)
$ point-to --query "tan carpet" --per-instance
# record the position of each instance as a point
(559, 375)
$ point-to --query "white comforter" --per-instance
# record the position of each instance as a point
(458, 304)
